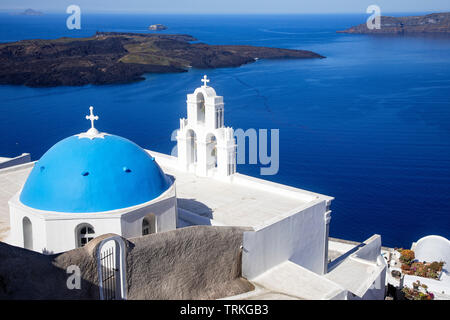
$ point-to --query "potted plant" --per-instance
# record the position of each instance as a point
(418, 292)
(407, 256)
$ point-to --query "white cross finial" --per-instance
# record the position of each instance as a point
(92, 133)
(205, 80)
(92, 117)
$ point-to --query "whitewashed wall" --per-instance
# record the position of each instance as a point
(433, 248)
(16, 236)
(298, 237)
(61, 234)
(166, 217)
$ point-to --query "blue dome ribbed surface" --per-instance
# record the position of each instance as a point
(102, 174)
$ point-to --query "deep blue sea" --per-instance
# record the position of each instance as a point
(368, 125)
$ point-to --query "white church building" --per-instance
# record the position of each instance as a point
(95, 183)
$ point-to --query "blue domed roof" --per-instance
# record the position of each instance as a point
(93, 175)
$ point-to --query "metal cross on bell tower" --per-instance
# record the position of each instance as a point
(205, 80)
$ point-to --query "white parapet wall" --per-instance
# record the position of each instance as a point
(433, 248)
(362, 272)
(9, 162)
(298, 237)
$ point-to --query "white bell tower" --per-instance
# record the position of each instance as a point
(205, 146)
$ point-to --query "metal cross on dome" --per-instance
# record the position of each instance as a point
(92, 133)
(205, 80)
(92, 117)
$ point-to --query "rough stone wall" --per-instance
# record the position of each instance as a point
(200, 262)
(26, 274)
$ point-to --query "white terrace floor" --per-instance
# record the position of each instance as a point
(228, 203)
(245, 201)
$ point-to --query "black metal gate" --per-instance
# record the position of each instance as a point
(110, 274)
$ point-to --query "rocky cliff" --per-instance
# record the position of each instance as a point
(431, 23)
(109, 57)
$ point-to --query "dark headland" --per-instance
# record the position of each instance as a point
(108, 58)
(437, 23)
(28, 12)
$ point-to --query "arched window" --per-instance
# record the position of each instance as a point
(200, 108)
(84, 233)
(211, 156)
(145, 227)
(27, 233)
(191, 146)
(149, 224)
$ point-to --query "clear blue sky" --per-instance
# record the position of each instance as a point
(229, 6)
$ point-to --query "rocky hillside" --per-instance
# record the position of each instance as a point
(108, 58)
(431, 23)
